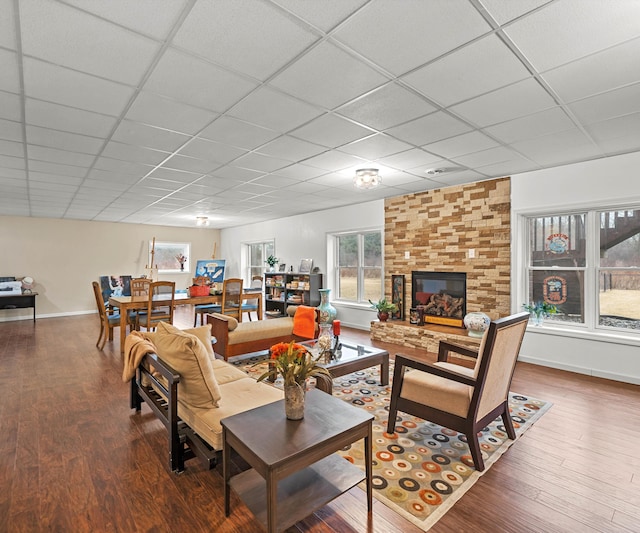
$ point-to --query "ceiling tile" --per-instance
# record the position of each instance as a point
(300, 172)
(272, 109)
(428, 129)
(117, 166)
(324, 15)
(616, 67)
(503, 12)
(409, 159)
(331, 131)
(10, 130)
(535, 125)
(142, 16)
(197, 82)
(211, 151)
(191, 164)
(291, 149)
(608, 105)
(12, 162)
(212, 30)
(63, 118)
(564, 31)
(9, 67)
(56, 168)
(260, 162)
(65, 36)
(134, 154)
(129, 132)
(166, 113)
(334, 160)
(521, 98)
(327, 76)
(386, 107)
(63, 140)
(558, 147)
(376, 146)
(441, 25)
(10, 106)
(238, 133)
(7, 29)
(499, 154)
(461, 145)
(479, 67)
(11, 148)
(618, 134)
(60, 85)
(43, 153)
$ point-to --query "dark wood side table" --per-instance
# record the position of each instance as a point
(19, 301)
(296, 459)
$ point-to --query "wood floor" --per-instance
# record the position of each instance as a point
(75, 458)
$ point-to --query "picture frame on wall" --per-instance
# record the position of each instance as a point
(282, 267)
(212, 269)
(398, 295)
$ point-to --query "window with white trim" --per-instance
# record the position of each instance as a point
(358, 266)
(587, 264)
(257, 253)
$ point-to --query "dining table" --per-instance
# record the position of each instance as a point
(131, 303)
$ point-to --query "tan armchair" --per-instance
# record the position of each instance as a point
(460, 398)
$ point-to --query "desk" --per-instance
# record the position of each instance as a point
(19, 301)
(297, 460)
(131, 303)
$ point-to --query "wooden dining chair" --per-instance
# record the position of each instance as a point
(107, 321)
(232, 298)
(156, 312)
(251, 305)
(140, 286)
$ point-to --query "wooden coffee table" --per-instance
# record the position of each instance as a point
(354, 357)
(297, 459)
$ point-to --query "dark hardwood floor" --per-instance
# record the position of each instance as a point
(75, 458)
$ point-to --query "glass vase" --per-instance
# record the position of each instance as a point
(294, 401)
(326, 312)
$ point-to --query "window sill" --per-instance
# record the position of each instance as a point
(609, 337)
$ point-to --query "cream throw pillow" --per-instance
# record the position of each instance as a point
(188, 356)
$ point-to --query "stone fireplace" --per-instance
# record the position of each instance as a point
(463, 229)
(441, 297)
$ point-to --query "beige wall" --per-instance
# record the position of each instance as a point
(65, 256)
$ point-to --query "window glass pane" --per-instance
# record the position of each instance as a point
(269, 249)
(348, 284)
(348, 251)
(372, 250)
(255, 255)
(620, 238)
(372, 284)
(619, 299)
(558, 240)
(562, 288)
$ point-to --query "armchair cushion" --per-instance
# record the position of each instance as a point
(444, 394)
(232, 323)
(189, 357)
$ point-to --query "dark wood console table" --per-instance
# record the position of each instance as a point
(19, 301)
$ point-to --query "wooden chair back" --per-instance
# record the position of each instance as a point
(140, 286)
(160, 304)
(232, 298)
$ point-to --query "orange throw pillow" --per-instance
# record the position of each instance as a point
(304, 322)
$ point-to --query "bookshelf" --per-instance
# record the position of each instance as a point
(282, 289)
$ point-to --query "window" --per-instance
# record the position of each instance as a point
(257, 254)
(358, 266)
(588, 265)
(166, 254)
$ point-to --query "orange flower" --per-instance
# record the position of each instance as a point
(294, 362)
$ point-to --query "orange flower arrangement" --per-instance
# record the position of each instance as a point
(294, 363)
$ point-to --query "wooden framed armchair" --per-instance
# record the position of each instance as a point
(460, 398)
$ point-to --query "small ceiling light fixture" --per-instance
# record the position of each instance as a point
(202, 221)
(435, 171)
(367, 178)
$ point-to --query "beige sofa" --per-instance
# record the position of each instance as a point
(236, 338)
(176, 373)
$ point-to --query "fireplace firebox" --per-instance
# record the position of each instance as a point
(441, 297)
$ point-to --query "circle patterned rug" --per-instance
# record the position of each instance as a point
(421, 469)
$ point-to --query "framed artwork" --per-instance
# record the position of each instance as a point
(416, 317)
(282, 267)
(211, 268)
(397, 295)
(115, 286)
(305, 266)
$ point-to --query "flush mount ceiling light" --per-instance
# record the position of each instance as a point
(435, 171)
(367, 178)
(202, 221)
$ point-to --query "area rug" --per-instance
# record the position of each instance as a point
(423, 469)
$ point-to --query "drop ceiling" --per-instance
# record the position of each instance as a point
(156, 112)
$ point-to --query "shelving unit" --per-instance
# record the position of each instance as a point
(282, 289)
